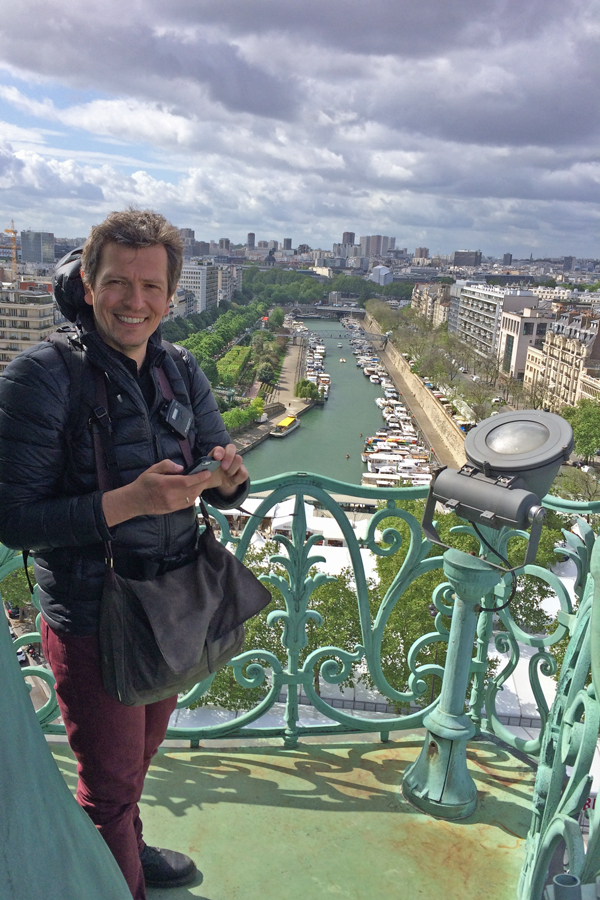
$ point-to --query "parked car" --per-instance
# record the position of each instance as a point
(497, 400)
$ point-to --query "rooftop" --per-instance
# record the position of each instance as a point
(329, 819)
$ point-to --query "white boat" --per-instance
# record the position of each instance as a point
(374, 379)
(285, 427)
(340, 345)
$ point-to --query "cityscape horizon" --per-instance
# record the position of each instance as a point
(445, 127)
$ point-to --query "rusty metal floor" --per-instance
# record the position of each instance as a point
(328, 819)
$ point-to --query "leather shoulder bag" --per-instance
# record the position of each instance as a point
(159, 636)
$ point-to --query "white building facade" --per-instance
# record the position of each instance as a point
(203, 282)
(480, 313)
(519, 331)
(26, 317)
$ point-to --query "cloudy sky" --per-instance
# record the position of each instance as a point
(446, 123)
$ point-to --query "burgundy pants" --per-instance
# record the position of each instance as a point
(113, 745)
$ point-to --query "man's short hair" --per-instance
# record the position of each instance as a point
(134, 228)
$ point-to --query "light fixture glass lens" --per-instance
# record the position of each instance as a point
(517, 437)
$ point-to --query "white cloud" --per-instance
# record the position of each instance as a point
(458, 123)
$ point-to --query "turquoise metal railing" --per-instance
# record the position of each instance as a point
(563, 782)
(569, 729)
(256, 667)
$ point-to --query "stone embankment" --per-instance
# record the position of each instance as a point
(444, 435)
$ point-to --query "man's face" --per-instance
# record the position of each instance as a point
(129, 296)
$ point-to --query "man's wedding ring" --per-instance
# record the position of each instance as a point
(187, 500)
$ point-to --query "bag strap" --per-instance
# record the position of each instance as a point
(204, 512)
(178, 358)
(107, 467)
(167, 392)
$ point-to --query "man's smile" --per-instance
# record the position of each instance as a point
(129, 320)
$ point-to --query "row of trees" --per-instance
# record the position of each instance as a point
(180, 328)
(268, 352)
(279, 287)
(231, 366)
(207, 345)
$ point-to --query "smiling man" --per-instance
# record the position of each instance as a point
(50, 502)
(129, 297)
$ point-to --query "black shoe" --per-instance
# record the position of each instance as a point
(166, 868)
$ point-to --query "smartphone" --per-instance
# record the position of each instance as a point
(204, 464)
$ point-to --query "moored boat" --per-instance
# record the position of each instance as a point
(285, 427)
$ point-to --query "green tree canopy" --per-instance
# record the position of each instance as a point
(401, 289)
(266, 373)
(276, 318)
(306, 389)
(585, 422)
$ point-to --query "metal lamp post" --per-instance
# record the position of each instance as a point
(512, 461)
(439, 782)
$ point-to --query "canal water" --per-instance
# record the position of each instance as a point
(326, 433)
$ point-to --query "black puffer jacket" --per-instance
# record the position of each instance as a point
(49, 502)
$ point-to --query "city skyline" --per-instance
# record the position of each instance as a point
(448, 127)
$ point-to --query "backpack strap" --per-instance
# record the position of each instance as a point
(72, 351)
(107, 467)
(178, 358)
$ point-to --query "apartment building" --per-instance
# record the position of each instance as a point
(571, 347)
(26, 317)
(534, 377)
(432, 302)
(480, 313)
(589, 385)
(229, 279)
(568, 364)
(519, 331)
(453, 309)
(203, 282)
(376, 245)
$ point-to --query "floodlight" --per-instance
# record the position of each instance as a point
(512, 461)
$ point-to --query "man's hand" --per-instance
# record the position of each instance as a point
(231, 473)
(159, 490)
(162, 489)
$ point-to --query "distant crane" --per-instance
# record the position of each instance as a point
(13, 247)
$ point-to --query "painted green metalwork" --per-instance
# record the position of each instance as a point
(69, 860)
(453, 718)
(255, 667)
(569, 741)
(438, 781)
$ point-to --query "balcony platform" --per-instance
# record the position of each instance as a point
(328, 820)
